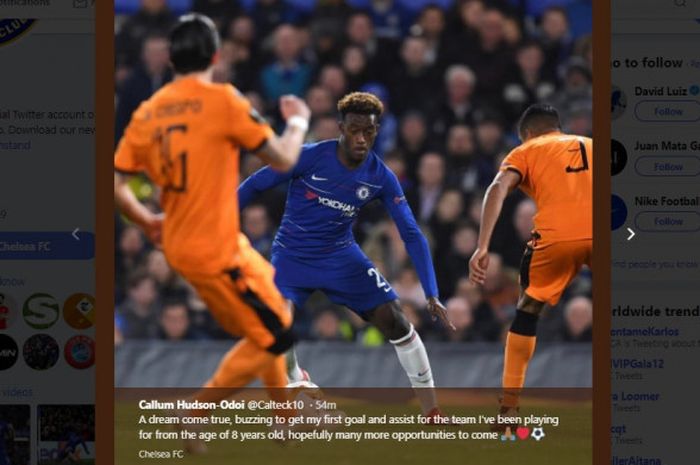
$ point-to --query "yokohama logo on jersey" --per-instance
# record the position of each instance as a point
(347, 209)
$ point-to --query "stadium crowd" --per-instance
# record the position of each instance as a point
(454, 78)
(56, 421)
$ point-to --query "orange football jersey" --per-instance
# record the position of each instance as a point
(186, 138)
(557, 173)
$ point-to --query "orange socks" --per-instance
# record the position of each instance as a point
(519, 350)
(243, 363)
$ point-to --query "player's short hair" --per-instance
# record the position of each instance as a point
(194, 41)
(360, 103)
(539, 118)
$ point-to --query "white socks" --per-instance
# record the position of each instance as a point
(414, 360)
(294, 371)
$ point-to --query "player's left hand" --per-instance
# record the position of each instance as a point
(478, 265)
(437, 310)
(154, 228)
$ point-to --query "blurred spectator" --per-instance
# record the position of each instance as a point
(492, 59)
(355, 66)
(159, 269)
(391, 18)
(320, 102)
(324, 128)
(408, 287)
(444, 221)
(147, 77)
(555, 38)
(453, 265)
(332, 78)
(578, 316)
(413, 82)
(431, 27)
(575, 97)
(175, 322)
(388, 125)
(138, 313)
(240, 56)
(413, 140)
(287, 74)
(153, 18)
(326, 327)
(467, 171)
(129, 255)
(379, 51)
(431, 176)
(512, 250)
(220, 11)
(458, 107)
(460, 312)
(329, 19)
(386, 249)
(528, 84)
(269, 14)
(256, 225)
(394, 160)
(489, 137)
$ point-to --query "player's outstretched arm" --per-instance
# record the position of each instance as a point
(282, 152)
(416, 246)
(135, 211)
(504, 182)
(264, 179)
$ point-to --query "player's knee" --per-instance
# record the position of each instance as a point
(524, 323)
(396, 326)
(284, 340)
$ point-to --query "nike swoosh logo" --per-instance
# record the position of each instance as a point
(316, 178)
(424, 373)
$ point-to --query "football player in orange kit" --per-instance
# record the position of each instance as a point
(556, 171)
(186, 139)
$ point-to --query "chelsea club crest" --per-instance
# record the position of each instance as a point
(11, 29)
(362, 192)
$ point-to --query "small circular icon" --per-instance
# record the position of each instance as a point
(8, 352)
(80, 352)
(619, 102)
(40, 352)
(8, 310)
(619, 212)
(40, 311)
(694, 89)
(79, 311)
(618, 157)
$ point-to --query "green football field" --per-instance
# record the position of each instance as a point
(570, 443)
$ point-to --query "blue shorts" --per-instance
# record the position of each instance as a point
(347, 277)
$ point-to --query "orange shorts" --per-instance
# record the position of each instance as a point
(547, 268)
(246, 303)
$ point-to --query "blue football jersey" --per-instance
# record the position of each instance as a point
(324, 198)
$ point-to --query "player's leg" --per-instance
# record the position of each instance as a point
(392, 323)
(357, 284)
(287, 272)
(246, 302)
(520, 347)
(545, 272)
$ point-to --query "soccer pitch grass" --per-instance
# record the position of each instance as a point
(570, 443)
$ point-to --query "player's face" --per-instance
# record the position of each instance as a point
(357, 135)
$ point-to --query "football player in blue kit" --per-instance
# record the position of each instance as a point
(68, 450)
(314, 248)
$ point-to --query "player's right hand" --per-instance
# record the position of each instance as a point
(153, 228)
(478, 265)
(291, 105)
